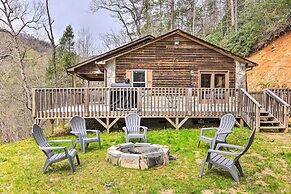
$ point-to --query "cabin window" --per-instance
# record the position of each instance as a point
(213, 79)
(139, 78)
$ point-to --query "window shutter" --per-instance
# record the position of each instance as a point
(128, 75)
(149, 78)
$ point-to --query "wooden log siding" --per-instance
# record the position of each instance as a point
(175, 65)
(155, 102)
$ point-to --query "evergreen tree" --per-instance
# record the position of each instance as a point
(66, 56)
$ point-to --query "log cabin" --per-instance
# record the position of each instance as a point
(175, 59)
(175, 76)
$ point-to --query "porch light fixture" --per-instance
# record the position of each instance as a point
(177, 43)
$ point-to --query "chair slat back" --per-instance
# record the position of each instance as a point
(227, 122)
(78, 124)
(250, 141)
(132, 122)
(40, 139)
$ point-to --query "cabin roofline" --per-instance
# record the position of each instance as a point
(197, 40)
(103, 56)
(117, 52)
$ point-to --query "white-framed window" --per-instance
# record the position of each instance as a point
(139, 78)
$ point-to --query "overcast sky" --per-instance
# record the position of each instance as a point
(78, 14)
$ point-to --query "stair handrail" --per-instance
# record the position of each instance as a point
(277, 97)
(280, 110)
(250, 110)
(252, 98)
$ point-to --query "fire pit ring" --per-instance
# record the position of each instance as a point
(138, 155)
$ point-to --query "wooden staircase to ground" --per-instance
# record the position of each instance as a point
(269, 123)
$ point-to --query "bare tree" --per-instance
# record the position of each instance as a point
(128, 12)
(48, 26)
(112, 39)
(85, 43)
(15, 17)
(172, 10)
(234, 14)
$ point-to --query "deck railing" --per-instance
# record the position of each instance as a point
(249, 110)
(104, 102)
(276, 106)
(284, 94)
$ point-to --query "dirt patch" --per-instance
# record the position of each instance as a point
(170, 191)
(266, 171)
(230, 191)
(274, 69)
(278, 137)
(256, 155)
(207, 192)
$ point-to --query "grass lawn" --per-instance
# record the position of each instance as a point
(266, 166)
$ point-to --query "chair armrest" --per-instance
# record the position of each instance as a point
(223, 152)
(206, 129)
(63, 141)
(229, 146)
(52, 148)
(220, 133)
(94, 131)
(75, 133)
(124, 129)
(210, 128)
(145, 129)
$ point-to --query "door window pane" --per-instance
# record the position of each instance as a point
(205, 80)
(139, 78)
(138, 84)
(219, 81)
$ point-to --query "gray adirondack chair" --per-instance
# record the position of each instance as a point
(43, 144)
(132, 128)
(78, 126)
(227, 122)
(217, 158)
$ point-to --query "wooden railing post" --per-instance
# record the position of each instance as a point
(33, 107)
(189, 101)
(258, 112)
(286, 114)
(86, 101)
(138, 100)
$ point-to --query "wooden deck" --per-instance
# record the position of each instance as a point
(177, 105)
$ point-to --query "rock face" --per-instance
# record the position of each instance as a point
(139, 156)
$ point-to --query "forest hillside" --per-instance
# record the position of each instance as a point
(274, 69)
(14, 115)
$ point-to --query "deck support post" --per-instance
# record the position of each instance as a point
(52, 121)
(177, 124)
(107, 125)
(286, 112)
(241, 122)
(74, 80)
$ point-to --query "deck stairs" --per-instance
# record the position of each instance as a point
(269, 123)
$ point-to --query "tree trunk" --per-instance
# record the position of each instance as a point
(25, 85)
(193, 16)
(172, 14)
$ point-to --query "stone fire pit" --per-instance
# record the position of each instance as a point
(138, 155)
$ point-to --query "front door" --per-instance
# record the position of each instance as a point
(213, 85)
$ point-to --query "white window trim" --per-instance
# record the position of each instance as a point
(146, 77)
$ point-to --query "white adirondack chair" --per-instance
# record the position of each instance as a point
(227, 122)
(78, 126)
(52, 157)
(132, 128)
(219, 158)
